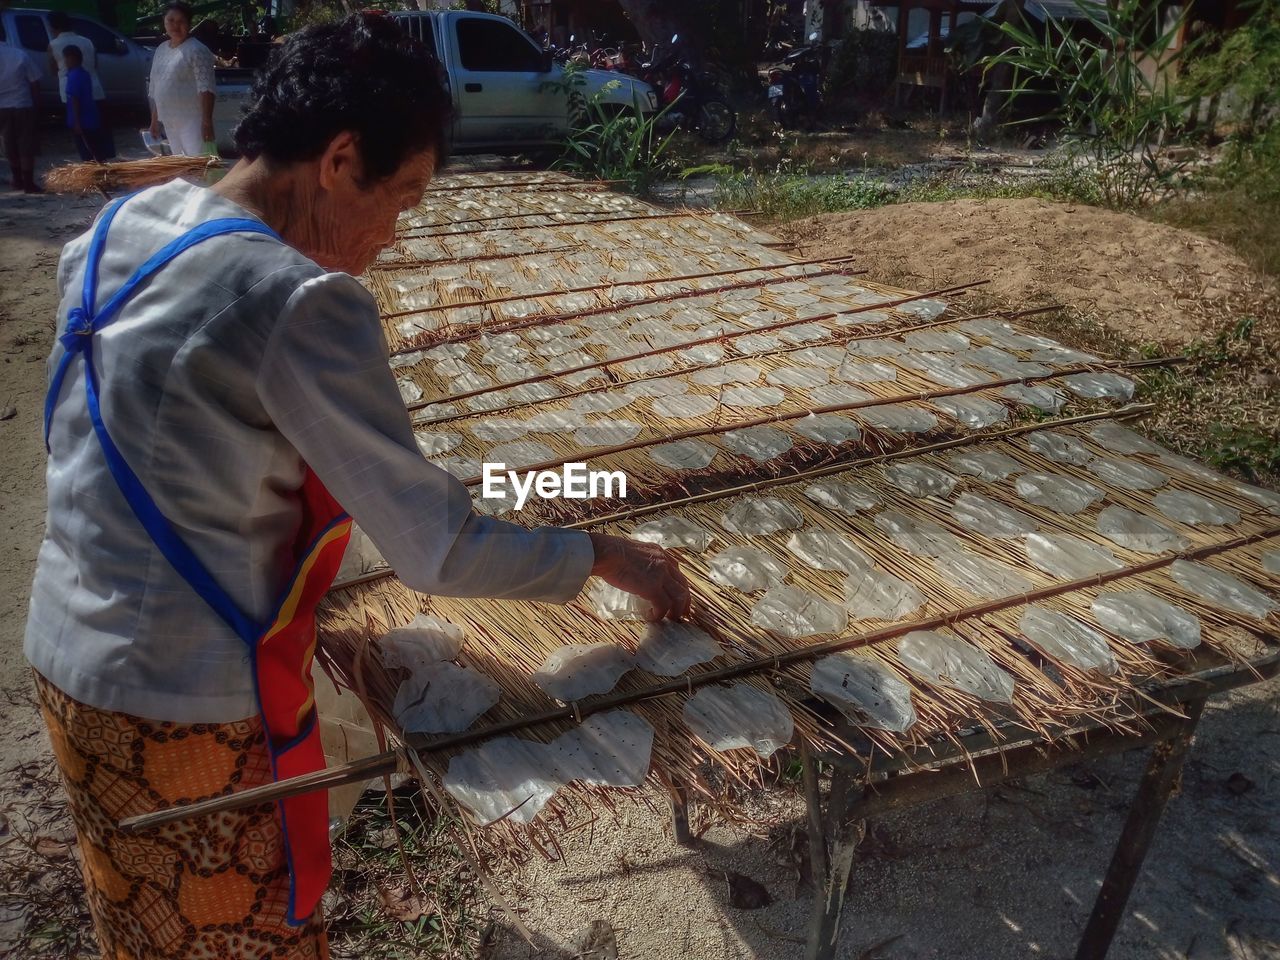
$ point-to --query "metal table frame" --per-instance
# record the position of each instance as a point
(860, 789)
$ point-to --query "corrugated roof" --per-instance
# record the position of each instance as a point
(1057, 9)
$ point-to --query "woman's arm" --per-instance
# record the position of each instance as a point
(206, 116)
(206, 88)
(326, 385)
(151, 95)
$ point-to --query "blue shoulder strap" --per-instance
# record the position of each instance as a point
(82, 324)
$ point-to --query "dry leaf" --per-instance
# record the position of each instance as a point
(52, 848)
(598, 942)
(401, 904)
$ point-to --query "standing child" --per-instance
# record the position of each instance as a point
(93, 139)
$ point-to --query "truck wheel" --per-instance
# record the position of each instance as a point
(716, 121)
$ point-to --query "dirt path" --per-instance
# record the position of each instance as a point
(32, 231)
(1149, 281)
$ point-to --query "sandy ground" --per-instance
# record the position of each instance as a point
(1152, 282)
(1006, 873)
(32, 232)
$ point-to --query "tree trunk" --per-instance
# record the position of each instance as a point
(657, 20)
(995, 105)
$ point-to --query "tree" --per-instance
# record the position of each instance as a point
(707, 28)
(996, 104)
(657, 20)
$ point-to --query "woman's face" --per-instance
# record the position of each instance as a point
(176, 26)
(356, 220)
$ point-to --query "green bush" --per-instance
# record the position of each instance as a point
(865, 63)
(609, 142)
(787, 196)
(1114, 113)
(1243, 69)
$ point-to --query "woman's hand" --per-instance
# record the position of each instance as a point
(155, 129)
(646, 570)
(206, 131)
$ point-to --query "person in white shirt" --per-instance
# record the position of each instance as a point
(182, 86)
(19, 93)
(63, 37)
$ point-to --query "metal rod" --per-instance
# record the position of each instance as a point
(1158, 782)
(542, 226)
(685, 345)
(1130, 412)
(423, 341)
(384, 763)
(613, 285)
(720, 428)
(477, 330)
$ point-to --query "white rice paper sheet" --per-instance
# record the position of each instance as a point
(951, 662)
(865, 691)
(738, 717)
(578, 670)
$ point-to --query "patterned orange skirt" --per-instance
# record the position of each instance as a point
(216, 888)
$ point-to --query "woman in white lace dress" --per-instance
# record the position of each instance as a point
(182, 90)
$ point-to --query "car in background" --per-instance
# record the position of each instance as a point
(123, 64)
(508, 93)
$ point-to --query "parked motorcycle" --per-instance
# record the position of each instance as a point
(795, 85)
(689, 97)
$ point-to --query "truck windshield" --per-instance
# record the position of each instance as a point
(492, 45)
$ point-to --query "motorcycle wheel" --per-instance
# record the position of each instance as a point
(716, 121)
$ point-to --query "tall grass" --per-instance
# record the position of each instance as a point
(789, 194)
(607, 141)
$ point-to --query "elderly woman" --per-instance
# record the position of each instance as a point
(181, 89)
(220, 386)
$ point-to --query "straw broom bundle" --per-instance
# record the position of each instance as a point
(126, 174)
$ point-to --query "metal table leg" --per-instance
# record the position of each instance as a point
(1157, 785)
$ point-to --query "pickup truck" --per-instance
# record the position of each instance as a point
(123, 64)
(508, 94)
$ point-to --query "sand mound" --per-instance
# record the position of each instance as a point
(1148, 281)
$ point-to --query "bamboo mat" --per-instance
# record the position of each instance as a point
(944, 441)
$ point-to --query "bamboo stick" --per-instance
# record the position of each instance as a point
(422, 341)
(685, 345)
(1131, 412)
(534, 226)
(537, 295)
(836, 408)
(527, 186)
(512, 216)
(388, 762)
(478, 258)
